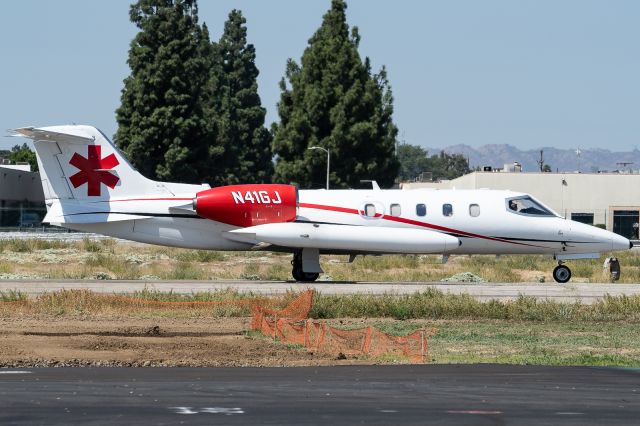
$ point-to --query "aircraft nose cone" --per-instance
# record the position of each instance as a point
(619, 242)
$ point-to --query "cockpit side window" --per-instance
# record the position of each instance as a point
(527, 206)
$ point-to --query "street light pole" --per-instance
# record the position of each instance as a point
(328, 160)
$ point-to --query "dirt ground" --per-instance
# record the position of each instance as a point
(51, 341)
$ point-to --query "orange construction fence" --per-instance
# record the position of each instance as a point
(291, 326)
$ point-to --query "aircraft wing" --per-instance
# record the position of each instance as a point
(346, 237)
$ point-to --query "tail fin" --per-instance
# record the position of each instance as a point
(80, 163)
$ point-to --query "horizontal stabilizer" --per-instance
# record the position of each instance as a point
(50, 136)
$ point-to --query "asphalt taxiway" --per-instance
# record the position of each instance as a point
(424, 394)
(572, 292)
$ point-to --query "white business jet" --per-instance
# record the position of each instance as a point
(90, 186)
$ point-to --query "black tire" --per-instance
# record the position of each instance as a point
(310, 276)
(299, 275)
(562, 274)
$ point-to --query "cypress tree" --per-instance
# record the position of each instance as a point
(161, 124)
(237, 113)
(332, 100)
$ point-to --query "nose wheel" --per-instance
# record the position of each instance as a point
(561, 273)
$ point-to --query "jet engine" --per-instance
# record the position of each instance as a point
(248, 205)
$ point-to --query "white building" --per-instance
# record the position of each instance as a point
(609, 199)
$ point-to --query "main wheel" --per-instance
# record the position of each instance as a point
(297, 273)
(561, 274)
(310, 276)
(300, 275)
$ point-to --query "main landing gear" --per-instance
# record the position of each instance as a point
(561, 273)
(298, 273)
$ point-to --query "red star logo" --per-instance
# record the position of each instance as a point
(93, 170)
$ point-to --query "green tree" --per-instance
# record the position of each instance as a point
(161, 124)
(24, 154)
(546, 168)
(332, 100)
(235, 109)
(414, 160)
(449, 166)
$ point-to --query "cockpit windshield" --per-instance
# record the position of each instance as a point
(527, 205)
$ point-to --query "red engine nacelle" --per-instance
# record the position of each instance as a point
(248, 205)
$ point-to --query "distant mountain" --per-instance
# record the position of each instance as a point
(564, 160)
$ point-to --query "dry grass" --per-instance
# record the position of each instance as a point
(227, 303)
(431, 304)
(108, 259)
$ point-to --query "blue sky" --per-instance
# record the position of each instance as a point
(562, 73)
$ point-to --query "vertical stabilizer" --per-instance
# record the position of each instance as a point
(80, 163)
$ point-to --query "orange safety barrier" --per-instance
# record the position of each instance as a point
(298, 309)
(291, 326)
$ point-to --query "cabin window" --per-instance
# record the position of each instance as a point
(474, 210)
(527, 206)
(447, 210)
(369, 210)
(421, 210)
(395, 210)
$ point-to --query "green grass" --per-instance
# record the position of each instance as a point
(31, 245)
(433, 304)
(520, 342)
(203, 256)
(550, 343)
(12, 296)
(183, 271)
(6, 268)
(205, 296)
(91, 246)
(394, 328)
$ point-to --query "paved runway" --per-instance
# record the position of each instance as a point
(586, 293)
(442, 394)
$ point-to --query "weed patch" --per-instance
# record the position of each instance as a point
(433, 304)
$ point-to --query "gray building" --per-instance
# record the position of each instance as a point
(21, 197)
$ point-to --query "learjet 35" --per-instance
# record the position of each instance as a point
(90, 186)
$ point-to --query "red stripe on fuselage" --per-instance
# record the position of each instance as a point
(414, 222)
(330, 208)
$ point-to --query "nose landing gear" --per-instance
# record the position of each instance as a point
(561, 273)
